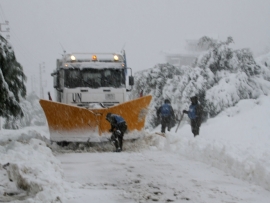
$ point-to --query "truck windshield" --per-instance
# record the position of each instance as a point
(72, 78)
(94, 78)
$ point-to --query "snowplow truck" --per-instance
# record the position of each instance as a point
(87, 87)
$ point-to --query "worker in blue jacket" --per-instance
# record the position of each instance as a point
(195, 114)
(167, 115)
(118, 128)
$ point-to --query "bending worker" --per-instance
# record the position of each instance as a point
(118, 128)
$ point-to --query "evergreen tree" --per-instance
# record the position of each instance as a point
(12, 81)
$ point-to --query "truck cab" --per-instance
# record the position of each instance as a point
(92, 80)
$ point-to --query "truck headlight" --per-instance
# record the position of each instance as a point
(115, 57)
(72, 57)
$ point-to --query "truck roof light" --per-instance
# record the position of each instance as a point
(72, 57)
(115, 57)
(94, 57)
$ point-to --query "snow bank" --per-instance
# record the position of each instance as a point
(236, 141)
(30, 171)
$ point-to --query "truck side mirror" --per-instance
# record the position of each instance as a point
(56, 83)
(131, 80)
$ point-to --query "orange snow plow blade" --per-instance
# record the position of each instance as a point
(78, 124)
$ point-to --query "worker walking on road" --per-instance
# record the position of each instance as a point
(195, 114)
(118, 128)
(167, 115)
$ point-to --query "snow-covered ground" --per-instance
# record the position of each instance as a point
(228, 162)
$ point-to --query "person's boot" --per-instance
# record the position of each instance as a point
(116, 144)
(121, 143)
(118, 150)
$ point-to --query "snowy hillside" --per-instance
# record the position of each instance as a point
(264, 60)
(221, 78)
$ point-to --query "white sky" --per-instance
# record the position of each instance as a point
(143, 28)
(228, 162)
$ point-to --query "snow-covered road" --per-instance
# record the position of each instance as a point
(152, 175)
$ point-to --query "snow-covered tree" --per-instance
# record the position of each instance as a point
(12, 79)
(32, 111)
(220, 78)
(159, 82)
(236, 75)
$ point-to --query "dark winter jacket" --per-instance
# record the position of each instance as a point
(195, 111)
(165, 110)
(116, 121)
